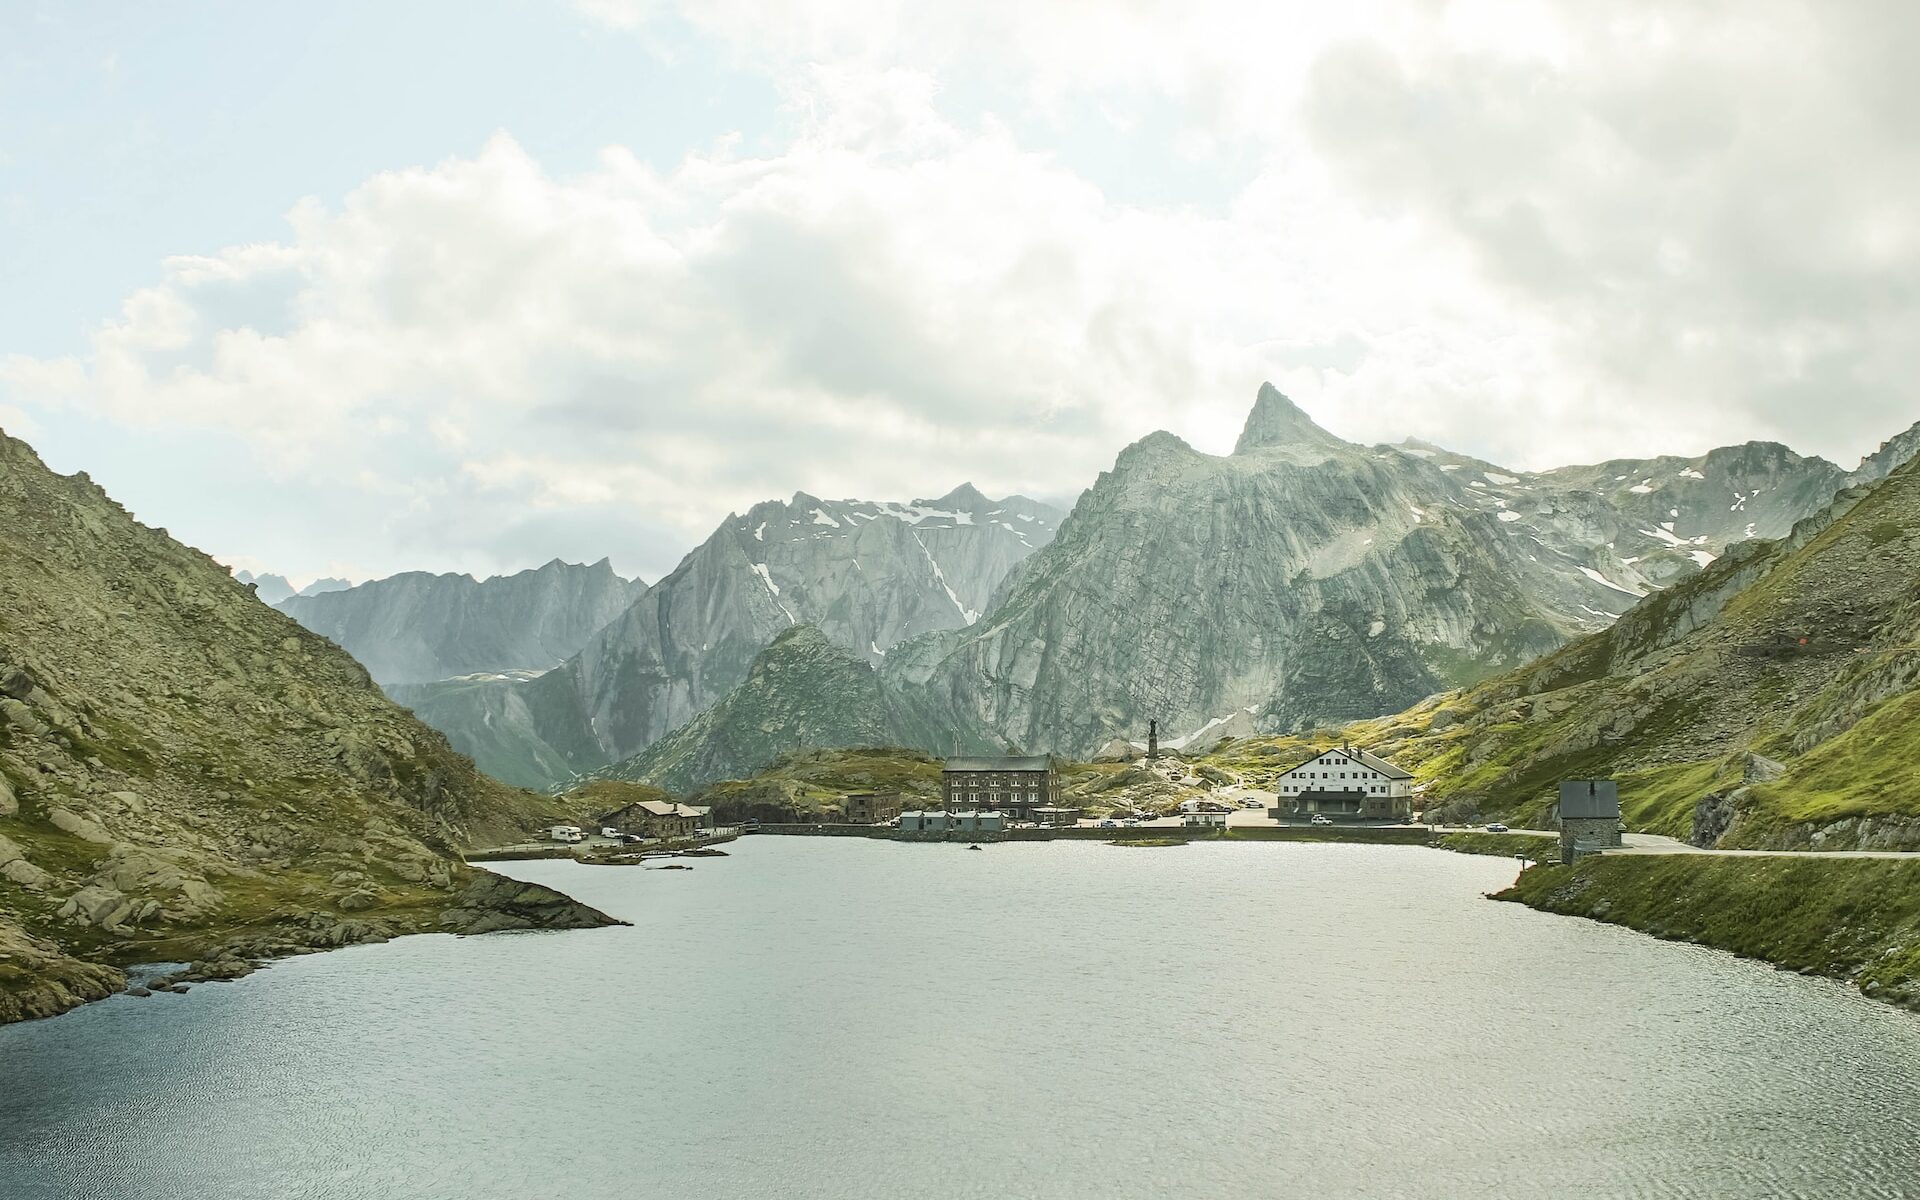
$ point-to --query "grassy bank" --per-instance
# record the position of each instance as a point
(1536, 846)
(1851, 918)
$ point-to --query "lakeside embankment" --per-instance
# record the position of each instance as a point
(1855, 919)
(1398, 835)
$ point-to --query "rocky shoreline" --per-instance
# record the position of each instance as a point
(38, 979)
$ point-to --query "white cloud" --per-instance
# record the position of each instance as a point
(1519, 229)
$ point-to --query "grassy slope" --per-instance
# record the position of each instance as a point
(1851, 918)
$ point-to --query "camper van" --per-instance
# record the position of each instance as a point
(565, 833)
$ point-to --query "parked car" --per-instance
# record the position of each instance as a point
(1496, 827)
(1250, 802)
(608, 831)
(1109, 824)
(1321, 819)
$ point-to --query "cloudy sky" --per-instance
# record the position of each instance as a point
(360, 287)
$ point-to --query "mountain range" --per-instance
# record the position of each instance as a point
(1307, 581)
(1329, 583)
(867, 574)
(1299, 581)
(272, 589)
(416, 628)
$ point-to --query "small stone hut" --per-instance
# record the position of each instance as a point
(1588, 813)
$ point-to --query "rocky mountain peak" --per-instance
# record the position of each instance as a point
(1278, 421)
(965, 498)
(1892, 453)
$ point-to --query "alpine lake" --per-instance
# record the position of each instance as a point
(824, 1017)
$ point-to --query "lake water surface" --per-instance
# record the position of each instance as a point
(846, 1018)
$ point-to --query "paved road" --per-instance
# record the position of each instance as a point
(1654, 843)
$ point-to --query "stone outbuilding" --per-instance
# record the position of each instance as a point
(872, 808)
(1588, 813)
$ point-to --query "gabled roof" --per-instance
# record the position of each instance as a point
(1364, 758)
(1026, 762)
(1589, 798)
(656, 808)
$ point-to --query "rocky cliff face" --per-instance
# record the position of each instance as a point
(1772, 700)
(186, 774)
(1303, 580)
(1894, 452)
(802, 692)
(416, 627)
(867, 574)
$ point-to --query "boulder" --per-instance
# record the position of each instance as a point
(9, 801)
(359, 900)
(1760, 769)
(85, 828)
(14, 866)
(15, 683)
(16, 715)
(25, 874)
(1712, 817)
(98, 905)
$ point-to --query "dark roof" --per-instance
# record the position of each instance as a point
(1582, 798)
(1029, 762)
(1362, 757)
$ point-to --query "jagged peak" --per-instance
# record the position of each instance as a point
(964, 497)
(1278, 421)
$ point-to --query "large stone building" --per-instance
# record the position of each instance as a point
(661, 819)
(1011, 785)
(1345, 784)
(1588, 813)
(872, 808)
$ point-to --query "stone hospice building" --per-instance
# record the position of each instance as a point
(1015, 785)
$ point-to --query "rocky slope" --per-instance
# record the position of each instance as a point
(415, 627)
(188, 775)
(866, 574)
(802, 692)
(1773, 700)
(1304, 580)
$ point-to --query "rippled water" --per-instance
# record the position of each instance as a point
(829, 1018)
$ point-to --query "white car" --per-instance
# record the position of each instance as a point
(1249, 802)
(609, 832)
(1321, 819)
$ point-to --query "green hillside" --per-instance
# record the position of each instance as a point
(1769, 701)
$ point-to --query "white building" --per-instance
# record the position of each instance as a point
(1345, 782)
